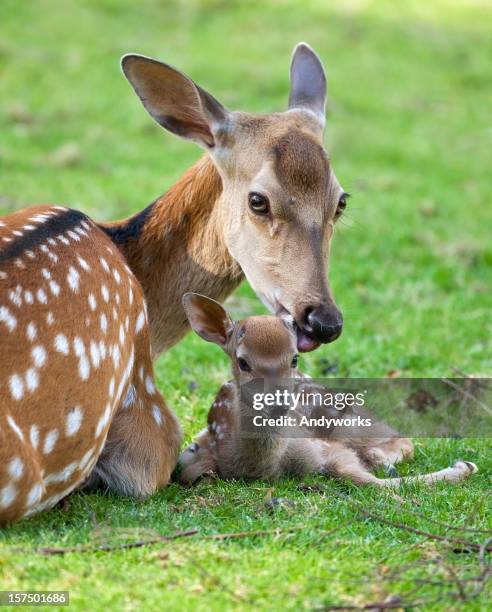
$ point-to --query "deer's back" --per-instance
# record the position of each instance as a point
(70, 310)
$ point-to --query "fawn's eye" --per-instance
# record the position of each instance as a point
(294, 361)
(243, 365)
(258, 203)
(342, 205)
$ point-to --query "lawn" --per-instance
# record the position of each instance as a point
(409, 133)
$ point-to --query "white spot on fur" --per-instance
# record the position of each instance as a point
(104, 323)
(7, 495)
(73, 279)
(149, 385)
(41, 296)
(95, 355)
(50, 441)
(15, 427)
(92, 301)
(16, 468)
(131, 397)
(86, 458)
(105, 293)
(31, 331)
(140, 322)
(8, 318)
(15, 296)
(117, 276)
(116, 355)
(34, 495)
(34, 436)
(50, 319)
(28, 297)
(111, 387)
(104, 264)
(156, 413)
(74, 421)
(32, 380)
(39, 356)
(54, 288)
(16, 387)
(83, 264)
(61, 344)
(103, 421)
(63, 475)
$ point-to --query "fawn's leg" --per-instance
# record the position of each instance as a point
(384, 452)
(343, 462)
(144, 437)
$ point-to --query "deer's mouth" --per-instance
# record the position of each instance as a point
(305, 342)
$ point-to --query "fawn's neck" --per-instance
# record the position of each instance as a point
(176, 245)
(257, 450)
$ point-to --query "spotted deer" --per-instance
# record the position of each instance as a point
(77, 395)
(264, 347)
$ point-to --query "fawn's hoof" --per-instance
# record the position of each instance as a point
(466, 465)
(391, 471)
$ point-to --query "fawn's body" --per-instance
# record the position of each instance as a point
(265, 347)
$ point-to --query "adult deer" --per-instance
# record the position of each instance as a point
(76, 385)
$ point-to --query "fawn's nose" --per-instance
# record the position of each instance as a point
(324, 323)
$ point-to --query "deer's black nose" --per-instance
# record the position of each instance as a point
(324, 323)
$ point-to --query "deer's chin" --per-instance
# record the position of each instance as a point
(305, 343)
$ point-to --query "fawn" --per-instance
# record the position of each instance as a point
(265, 347)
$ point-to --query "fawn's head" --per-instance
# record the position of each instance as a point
(259, 347)
(280, 197)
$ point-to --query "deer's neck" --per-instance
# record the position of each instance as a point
(176, 245)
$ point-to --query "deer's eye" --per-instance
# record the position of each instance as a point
(294, 361)
(342, 205)
(258, 203)
(243, 365)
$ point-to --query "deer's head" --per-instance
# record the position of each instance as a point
(280, 196)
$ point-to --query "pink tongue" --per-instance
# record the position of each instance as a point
(305, 343)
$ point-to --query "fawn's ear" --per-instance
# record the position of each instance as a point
(175, 101)
(208, 318)
(307, 81)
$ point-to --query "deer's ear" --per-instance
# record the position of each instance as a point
(208, 318)
(307, 81)
(175, 101)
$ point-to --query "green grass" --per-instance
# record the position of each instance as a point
(409, 134)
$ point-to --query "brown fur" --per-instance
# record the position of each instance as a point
(75, 360)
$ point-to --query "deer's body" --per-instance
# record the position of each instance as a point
(75, 359)
(262, 204)
(263, 347)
